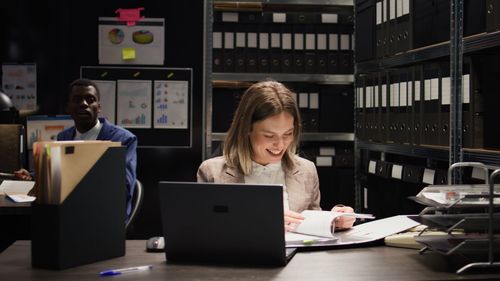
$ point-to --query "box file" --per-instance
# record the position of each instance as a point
(89, 225)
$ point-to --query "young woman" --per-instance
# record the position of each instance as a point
(261, 148)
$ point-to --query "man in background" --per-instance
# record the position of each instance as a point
(84, 107)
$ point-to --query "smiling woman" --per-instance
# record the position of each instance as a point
(260, 148)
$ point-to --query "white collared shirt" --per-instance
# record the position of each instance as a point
(90, 134)
(269, 174)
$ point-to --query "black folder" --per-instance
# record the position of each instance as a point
(89, 225)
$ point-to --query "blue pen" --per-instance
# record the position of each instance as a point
(111, 272)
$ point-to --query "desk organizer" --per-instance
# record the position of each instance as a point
(89, 225)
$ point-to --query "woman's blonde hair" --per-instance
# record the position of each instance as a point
(260, 101)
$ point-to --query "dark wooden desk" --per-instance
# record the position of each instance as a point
(373, 263)
(9, 207)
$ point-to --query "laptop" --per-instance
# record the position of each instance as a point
(223, 223)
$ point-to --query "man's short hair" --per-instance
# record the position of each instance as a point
(84, 83)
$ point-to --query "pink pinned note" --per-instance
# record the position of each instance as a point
(131, 16)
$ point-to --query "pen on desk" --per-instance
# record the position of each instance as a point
(7, 175)
(111, 272)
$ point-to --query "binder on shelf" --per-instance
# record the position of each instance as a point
(384, 106)
(413, 174)
(310, 48)
(276, 22)
(299, 21)
(492, 14)
(431, 105)
(403, 26)
(380, 28)
(444, 101)
(403, 112)
(346, 50)
(417, 108)
(263, 52)
(393, 94)
(391, 28)
(89, 225)
(217, 44)
(321, 48)
(250, 22)
(377, 104)
(367, 21)
(229, 49)
(287, 48)
(360, 112)
(333, 53)
(240, 45)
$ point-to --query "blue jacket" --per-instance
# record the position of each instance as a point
(114, 133)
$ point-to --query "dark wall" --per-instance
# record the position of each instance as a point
(60, 36)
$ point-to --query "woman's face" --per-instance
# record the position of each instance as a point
(271, 137)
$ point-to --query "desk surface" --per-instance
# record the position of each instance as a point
(372, 263)
(9, 207)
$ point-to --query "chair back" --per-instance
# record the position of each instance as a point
(137, 198)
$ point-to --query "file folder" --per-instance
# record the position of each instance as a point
(89, 225)
(250, 24)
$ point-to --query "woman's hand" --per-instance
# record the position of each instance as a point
(344, 221)
(292, 219)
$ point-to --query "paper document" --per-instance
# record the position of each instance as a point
(316, 229)
(319, 223)
(16, 187)
(21, 198)
(363, 233)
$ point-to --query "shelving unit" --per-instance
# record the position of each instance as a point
(225, 87)
(484, 43)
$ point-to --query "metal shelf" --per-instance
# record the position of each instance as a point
(305, 136)
(331, 79)
(487, 157)
(406, 149)
(472, 43)
(301, 2)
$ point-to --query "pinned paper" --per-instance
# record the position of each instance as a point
(131, 16)
(128, 53)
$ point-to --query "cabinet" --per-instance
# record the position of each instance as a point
(424, 99)
(308, 46)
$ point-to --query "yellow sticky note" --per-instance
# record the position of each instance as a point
(128, 53)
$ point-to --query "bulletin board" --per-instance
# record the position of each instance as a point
(153, 103)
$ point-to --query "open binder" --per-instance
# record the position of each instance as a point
(89, 224)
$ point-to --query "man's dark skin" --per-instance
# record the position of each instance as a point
(84, 107)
